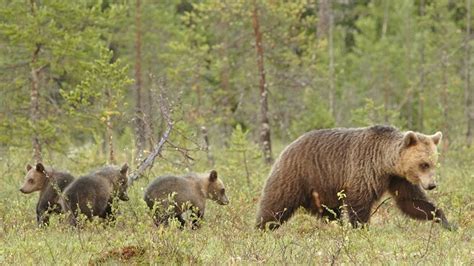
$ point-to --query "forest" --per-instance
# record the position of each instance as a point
(172, 87)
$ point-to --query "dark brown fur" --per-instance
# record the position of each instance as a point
(364, 163)
(50, 183)
(191, 192)
(94, 194)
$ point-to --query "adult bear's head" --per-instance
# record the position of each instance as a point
(418, 158)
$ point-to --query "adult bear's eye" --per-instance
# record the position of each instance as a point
(424, 166)
(222, 191)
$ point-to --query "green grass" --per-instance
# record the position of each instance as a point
(227, 235)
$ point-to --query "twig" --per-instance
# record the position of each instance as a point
(183, 151)
(428, 242)
(380, 205)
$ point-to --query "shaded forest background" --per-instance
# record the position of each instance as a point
(75, 73)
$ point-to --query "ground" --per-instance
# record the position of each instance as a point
(228, 234)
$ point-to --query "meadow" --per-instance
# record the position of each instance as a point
(227, 235)
(86, 82)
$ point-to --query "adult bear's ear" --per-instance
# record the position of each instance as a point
(124, 169)
(28, 167)
(437, 137)
(410, 139)
(40, 167)
(213, 176)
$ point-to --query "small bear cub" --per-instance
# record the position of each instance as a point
(50, 183)
(95, 193)
(173, 196)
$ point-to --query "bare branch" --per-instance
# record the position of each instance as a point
(150, 159)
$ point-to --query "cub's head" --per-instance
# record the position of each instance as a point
(418, 158)
(216, 189)
(122, 183)
(35, 179)
(117, 175)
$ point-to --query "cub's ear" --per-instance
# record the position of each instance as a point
(28, 167)
(124, 169)
(213, 176)
(40, 167)
(410, 139)
(437, 137)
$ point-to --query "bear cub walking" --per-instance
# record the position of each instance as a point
(50, 183)
(94, 194)
(175, 195)
(364, 163)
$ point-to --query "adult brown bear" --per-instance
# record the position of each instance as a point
(362, 162)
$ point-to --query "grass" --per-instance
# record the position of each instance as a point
(228, 235)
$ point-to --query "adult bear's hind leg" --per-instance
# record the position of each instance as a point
(275, 211)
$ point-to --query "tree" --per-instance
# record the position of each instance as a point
(140, 142)
(325, 31)
(87, 101)
(34, 99)
(265, 139)
(51, 45)
(421, 93)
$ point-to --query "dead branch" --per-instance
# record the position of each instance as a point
(206, 147)
(183, 151)
(150, 159)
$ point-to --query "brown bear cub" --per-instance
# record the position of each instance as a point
(172, 196)
(95, 193)
(364, 163)
(50, 183)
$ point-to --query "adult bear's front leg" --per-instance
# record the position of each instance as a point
(412, 201)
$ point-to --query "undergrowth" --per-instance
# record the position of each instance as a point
(227, 234)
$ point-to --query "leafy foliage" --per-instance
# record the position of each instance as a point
(100, 95)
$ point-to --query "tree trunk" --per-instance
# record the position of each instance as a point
(150, 127)
(224, 78)
(265, 138)
(34, 95)
(110, 140)
(332, 87)
(421, 92)
(139, 119)
(468, 93)
(386, 85)
(109, 130)
(324, 30)
(34, 104)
